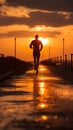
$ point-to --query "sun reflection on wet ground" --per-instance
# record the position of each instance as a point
(31, 101)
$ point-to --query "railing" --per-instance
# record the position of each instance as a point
(71, 60)
(58, 61)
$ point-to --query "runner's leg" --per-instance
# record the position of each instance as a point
(34, 56)
(38, 58)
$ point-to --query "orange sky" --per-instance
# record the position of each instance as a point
(24, 19)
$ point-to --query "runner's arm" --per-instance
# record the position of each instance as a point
(31, 45)
(41, 46)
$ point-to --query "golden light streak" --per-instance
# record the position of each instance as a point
(44, 117)
(42, 89)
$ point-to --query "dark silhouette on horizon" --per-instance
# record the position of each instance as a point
(37, 46)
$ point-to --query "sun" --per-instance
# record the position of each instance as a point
(44, 40)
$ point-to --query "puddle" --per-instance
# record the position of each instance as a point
(36, 102)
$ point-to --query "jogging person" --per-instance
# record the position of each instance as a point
(37, 46)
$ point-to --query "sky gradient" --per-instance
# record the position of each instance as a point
(52, 19)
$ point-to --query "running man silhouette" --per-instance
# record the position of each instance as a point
(37, 46)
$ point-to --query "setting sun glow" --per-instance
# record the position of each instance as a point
(44, 40)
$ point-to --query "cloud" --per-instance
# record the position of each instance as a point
(13, 11)
(50, 19)
(26, 34)
(19, 12)
(38, 18)
(49, 5)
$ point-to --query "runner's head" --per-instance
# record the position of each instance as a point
(36, 36)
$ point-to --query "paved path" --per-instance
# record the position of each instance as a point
(36, 102)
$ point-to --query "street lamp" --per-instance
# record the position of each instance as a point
(63, 50)
(49, 52)
(15, 48)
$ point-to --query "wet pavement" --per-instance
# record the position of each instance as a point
(36, 102)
